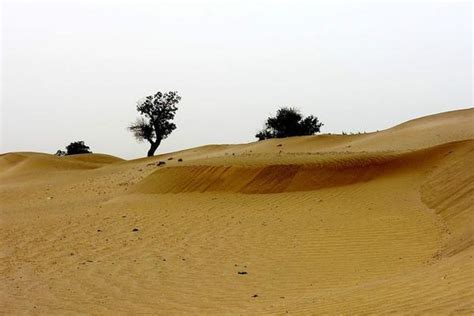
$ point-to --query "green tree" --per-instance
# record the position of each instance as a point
(155, 124)
(289, 122)
(76, 148)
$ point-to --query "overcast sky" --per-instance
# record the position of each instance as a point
(73, 70)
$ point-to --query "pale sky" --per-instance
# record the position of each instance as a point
(73, 70)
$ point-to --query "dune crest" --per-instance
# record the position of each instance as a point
(305, 173)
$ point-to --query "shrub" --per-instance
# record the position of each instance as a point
(289, 122)
(76, 148)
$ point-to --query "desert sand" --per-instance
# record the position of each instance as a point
(330, 224)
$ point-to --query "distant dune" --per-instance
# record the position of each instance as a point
(372, 223)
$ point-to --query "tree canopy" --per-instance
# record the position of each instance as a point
(74, 148)
(155, 124)
(289, 122)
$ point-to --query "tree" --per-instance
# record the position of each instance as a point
(76, 148)
(156, 124)
(289, 122)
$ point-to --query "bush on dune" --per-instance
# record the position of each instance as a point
(74, 148)
(289, 122)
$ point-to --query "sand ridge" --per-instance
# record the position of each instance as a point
(371, 223)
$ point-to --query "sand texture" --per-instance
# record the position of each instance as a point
(374, 223)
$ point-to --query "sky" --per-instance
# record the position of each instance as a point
(74, 70)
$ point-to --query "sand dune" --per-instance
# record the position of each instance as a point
(371, 223)
(20, 163)
(290, 173)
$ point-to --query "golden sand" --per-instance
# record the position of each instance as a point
(372, 223)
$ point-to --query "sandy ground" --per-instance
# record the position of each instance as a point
(373, 223)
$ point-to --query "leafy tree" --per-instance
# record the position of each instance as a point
(289, 122)
(76, 148)
(156, 124)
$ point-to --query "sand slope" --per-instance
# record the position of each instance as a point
(372, 223)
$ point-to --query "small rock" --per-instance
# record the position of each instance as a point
(135, 230)
(279, 145)
(161, 163)
(170, 158)
(180, 160)
(242, 272)
(255, 295)
(49, 198)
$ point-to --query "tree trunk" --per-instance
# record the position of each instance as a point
(153, 148)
